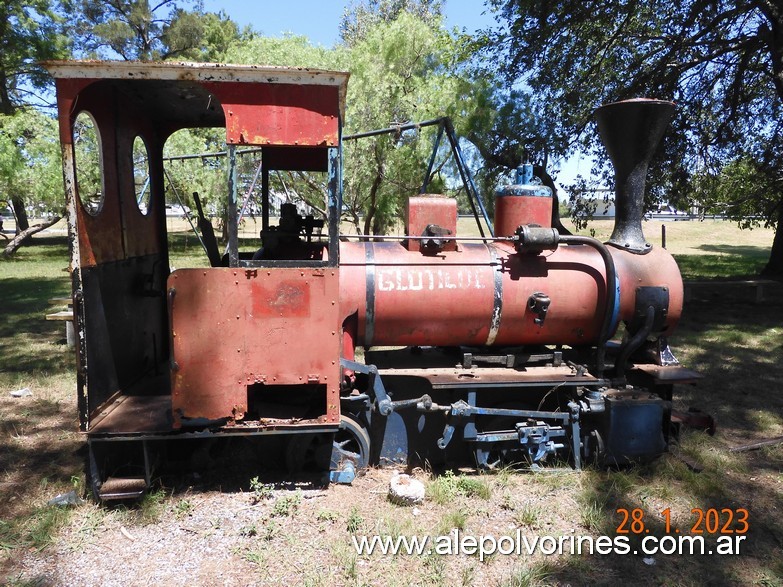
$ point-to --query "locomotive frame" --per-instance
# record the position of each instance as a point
(497, 348)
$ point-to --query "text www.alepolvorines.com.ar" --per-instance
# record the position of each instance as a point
(458, 543)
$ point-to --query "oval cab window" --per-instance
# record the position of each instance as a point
(141, 175)
(88, 162)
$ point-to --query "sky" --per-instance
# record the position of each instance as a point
(319, 19)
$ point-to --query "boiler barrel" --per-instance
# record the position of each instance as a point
(480, 294)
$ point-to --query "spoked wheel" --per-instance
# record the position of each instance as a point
(351, 443)
(349, 446)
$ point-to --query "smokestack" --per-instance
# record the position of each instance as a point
(631, 131)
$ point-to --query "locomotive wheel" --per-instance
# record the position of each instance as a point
(352, 442)
(321, 451)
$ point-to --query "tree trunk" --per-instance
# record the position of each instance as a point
(774, 267)
(22, 223)
(22, 236)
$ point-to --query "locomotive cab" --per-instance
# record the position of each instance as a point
(165, 351)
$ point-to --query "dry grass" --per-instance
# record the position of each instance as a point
(277, 532)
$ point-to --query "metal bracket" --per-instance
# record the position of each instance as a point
(535, 437)
(383, 403)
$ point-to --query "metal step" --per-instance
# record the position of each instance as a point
(122, 488)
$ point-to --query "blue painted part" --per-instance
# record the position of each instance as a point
(616, 309)
(344, 475)
(524, 185)
(394, 447)
(524, 174)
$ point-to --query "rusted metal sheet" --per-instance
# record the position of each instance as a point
(201, 73)
(129, 414)
(670, 374)
(267, 114)
(118, 230)
(511, 211)
(240, 336)
(475, 296)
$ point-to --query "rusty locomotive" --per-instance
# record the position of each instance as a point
(423, 347)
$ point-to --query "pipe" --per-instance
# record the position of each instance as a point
(612, 288)
(631, 131)
(631, 345)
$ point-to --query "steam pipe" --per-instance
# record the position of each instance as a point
(631, 131)
(611, 292)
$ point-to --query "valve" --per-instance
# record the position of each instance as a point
(533, 239)
(538, 303)
(435, 242)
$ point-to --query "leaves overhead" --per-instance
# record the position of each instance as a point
(720, 61)
(138, 30)
(30, 32)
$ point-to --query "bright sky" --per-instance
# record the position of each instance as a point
(318, 19)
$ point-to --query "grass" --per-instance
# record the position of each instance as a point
(445, 488)
(736, 344)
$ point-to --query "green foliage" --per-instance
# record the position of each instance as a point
(30, 160)
(740, 190)
(288, 50)
(404, 68)
(261, 491)
(401, 71)
(30, 32)
(37, 531)
(361, 16)
(355, 521)
(133, 29)
(325, 515)
(445, 488)
(715, 60)
(287, 505)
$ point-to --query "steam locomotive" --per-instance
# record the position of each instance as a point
(426, 347)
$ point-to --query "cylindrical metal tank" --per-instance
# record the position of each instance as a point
(481, 294)
(522, 202)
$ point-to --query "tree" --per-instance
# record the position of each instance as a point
(720, 61)
(402, 70)
(361, 16)
(30, 165)
(30, 32)
(135, 30)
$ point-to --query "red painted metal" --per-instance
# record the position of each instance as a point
(449, 299)
(426, 209)
(237, 332)
(512, 211)
(119, 230)
(300, 115)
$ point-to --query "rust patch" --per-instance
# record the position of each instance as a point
(288, 298)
